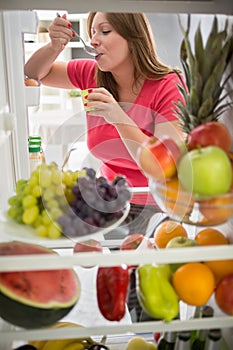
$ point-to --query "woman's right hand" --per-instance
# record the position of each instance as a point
(60, 33)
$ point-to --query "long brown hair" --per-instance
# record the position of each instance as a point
(135, 28)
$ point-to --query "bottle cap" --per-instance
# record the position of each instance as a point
(33, 137)
(207, 311)
(185, 335)
(35, 142)
(34, 148)
(215, 334)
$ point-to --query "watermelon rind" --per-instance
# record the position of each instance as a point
(35, 311)
(30, 317)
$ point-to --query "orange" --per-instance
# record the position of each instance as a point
(217, 209)
(194, 283)
(210, 236)
(176, 200)
(166, 231)
(220, 268)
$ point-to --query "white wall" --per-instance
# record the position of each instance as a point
(168, 35)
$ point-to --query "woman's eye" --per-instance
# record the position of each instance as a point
(106, 32)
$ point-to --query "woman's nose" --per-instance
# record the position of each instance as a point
(94, 40)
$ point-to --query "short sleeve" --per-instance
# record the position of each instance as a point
(81, 73)
(169, 94)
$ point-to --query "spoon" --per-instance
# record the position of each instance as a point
(89, 49)
(67, 158)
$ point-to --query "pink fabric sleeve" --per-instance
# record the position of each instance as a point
(81, 73)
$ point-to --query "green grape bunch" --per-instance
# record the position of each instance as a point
(42, 199)
(73, 203)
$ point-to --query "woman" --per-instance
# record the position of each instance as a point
(131, 93)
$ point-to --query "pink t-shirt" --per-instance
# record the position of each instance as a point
(154, 104)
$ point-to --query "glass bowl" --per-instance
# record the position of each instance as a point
(182, 207)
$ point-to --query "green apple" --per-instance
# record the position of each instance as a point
(180, 242)
(205, 172)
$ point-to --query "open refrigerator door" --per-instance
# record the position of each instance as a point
(13, 109)
(13, 102)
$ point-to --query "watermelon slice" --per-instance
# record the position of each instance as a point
(34, 299)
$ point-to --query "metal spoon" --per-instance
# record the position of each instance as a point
(89, 49)
(67, 158)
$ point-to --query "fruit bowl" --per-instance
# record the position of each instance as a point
(181, 206)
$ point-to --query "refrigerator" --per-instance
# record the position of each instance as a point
(16, 19)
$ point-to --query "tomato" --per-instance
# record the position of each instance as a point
(210, 134)
(134, 240)
(90, 245)
(224, 295)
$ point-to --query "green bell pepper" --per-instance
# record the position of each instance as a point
(155, 292)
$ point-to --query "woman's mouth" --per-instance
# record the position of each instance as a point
(97, 57)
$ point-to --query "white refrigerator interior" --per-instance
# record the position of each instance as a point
(14, 130)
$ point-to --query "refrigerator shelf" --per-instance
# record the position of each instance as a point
(69, 260)
(86, 311)
(135, 328)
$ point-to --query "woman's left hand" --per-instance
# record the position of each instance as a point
(104, 105)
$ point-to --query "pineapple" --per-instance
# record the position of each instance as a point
(207, 73)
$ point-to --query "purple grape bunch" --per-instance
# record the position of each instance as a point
(97, 203)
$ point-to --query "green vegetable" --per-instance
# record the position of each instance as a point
(155, 292)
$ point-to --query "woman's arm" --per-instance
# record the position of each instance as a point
(42, 66)
(104, 105)
(131, 135)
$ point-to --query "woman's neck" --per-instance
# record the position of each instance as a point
(129, 89)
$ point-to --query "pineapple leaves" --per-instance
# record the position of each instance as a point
(213, 49)
(206, 108)
(205, 69)
(214, 79)
(183, 56)
(199, 51)
(186, 51)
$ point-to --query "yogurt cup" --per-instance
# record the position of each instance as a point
(83, 94)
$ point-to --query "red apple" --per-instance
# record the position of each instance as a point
(158, 157)
(224, 294)
(134, 240)
(210, 134)
(90, 245)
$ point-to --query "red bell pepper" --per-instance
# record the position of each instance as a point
(112, 288)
